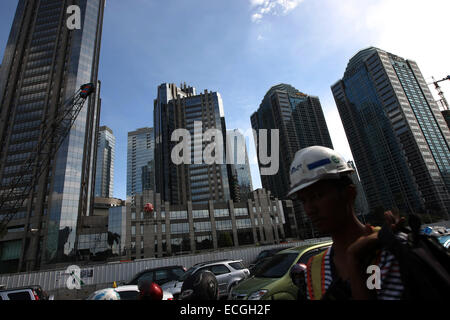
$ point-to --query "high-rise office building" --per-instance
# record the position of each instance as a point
(140, 161)
(104, 172)
(240, 165)
(361, 204)
(446, 115)
(301, 123)
(397, 134)
(196, 181)
(44, 64)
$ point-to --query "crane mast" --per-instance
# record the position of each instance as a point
(442, 101)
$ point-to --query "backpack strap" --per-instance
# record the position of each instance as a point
(316, 276)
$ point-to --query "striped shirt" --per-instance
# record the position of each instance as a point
(391, 285)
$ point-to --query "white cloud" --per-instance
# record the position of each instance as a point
(256, 17)
(412, 29)
(273, 7)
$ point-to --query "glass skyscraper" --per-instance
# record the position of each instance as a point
(397, 135)
(44, 65)
(104, 172)
(301, 123)
(140, 161)
(242, 168)
(180, 108)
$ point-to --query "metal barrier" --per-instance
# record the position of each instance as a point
(107, 273)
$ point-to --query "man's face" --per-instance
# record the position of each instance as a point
(324, 205)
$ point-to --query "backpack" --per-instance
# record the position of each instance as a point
(424, 262)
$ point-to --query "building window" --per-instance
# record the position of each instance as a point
(202, 226)
(223, 225)
(221, 213)
(198, 214)
(240, 212)
(178, 215)
(178, 228)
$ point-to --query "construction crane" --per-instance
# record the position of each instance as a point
(15, 195)
(443, 101)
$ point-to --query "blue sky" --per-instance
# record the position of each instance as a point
(241, 48)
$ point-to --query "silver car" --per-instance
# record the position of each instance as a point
(228, 274)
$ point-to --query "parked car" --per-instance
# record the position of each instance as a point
(160, 275)
(442, 234)
(131, 292)
(272, 280)
(25, 293)
(228, 273)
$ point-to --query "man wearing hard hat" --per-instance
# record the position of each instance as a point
(320, 179)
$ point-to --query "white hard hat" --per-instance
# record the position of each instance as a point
(104, 294)
(316, 163)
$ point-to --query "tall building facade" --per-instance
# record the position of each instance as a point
(196, 181)
(397, 134)
(104, 172)
(44, 65)
(361, 204)
(240, 164)
(140, 161)
(446, 115)
(189, 228)
(301, 123)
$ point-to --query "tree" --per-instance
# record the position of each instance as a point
(225, 240)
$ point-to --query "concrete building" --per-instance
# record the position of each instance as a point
(102, 235)
(44, 64)
(140, 161)
(193, 180)
(104, 173)
(182, 229)
(301, 123)
(397, 134)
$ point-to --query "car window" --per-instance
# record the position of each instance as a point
(177, 273)
(161, 276)
(237, 265)
(148, 276)
(219, 269)
(305, 257)
(261, 255)
(128, 295)
(24, 295)
(276, 266)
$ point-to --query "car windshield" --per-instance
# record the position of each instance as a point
(277, 266)
(261, 255)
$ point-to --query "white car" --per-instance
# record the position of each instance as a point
(24, 293)
(131, 292)
(228, 274)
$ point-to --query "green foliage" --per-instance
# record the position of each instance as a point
(225, 240)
